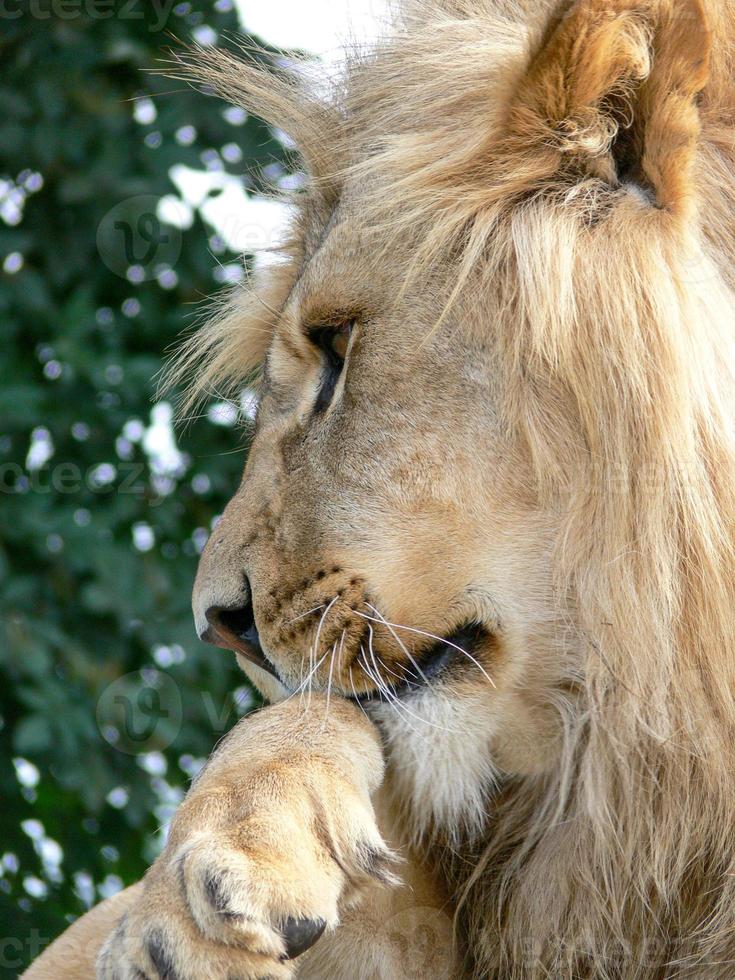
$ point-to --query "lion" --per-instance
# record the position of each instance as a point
(482, 560)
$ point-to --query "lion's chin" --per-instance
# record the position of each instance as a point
(266, 682)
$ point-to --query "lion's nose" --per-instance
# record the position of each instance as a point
(235, 629)
(222, 601)
(230, 625)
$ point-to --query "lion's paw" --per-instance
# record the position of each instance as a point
(244, 900)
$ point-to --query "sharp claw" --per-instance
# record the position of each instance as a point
(300, 935)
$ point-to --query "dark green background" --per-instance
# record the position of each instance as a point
(80, 604)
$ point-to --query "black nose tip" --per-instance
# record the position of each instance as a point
(235, 629)
(239, 622)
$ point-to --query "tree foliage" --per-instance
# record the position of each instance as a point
(107, 701)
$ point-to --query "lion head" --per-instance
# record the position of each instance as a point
(490, 492)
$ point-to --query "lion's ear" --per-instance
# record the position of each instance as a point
(614, 91)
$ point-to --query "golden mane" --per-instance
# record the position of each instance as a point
(614, 312)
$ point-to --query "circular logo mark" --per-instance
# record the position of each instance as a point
(133, 241)
(418, 943)
(140, 711)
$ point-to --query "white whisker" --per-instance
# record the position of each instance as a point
(321, 623)
(398, 640)
(387, 669)
(378, 681)
(357, 696)
(305, 681)
(329, 679)
(303, 615)
(315, 645)
(397, 705)
(432, 636)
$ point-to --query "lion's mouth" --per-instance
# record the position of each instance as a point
(461, 647)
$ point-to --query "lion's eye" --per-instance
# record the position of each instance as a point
(333, 341)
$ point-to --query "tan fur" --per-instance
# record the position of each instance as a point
(74, 954)
(274, 788)
(259, 800)
(527, 210)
